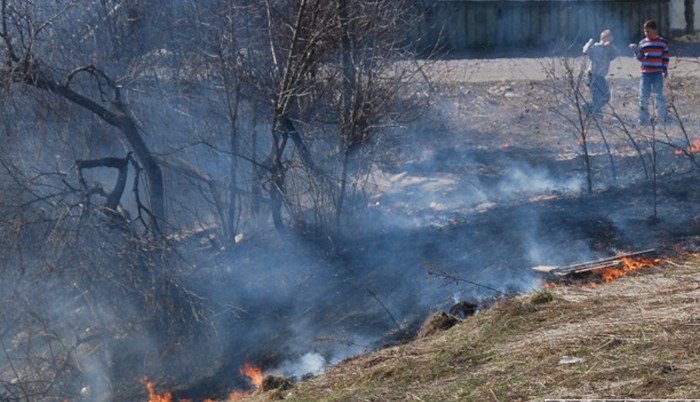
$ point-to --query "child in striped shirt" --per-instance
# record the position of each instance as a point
(652, 52)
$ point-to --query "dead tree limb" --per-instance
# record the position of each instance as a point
(121, 164)
(438, 272)
(375, 297)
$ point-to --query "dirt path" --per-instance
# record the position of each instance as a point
(533, 69)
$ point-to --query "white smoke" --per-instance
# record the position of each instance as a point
(523, 179)
(310, 363)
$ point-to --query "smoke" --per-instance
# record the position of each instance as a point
(451, 218)
(310, 363)
(523, 180)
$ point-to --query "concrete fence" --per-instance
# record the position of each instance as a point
(459, 25)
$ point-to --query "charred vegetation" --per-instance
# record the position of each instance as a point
(191, 190)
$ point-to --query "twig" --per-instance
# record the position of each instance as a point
(494, 395)
(374, 295)
(435, 270)
(607, 147)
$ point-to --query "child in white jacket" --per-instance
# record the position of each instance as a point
(600, 54)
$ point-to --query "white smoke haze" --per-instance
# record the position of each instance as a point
(310, 363)
(521, 179)
(113, 308)
(313, 363)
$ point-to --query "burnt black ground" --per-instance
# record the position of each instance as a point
(495, 248)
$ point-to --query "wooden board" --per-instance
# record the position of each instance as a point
(591, 265)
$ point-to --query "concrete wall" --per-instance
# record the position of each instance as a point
(471, 24)
(677, 16)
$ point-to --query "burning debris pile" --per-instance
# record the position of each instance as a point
(602, 270)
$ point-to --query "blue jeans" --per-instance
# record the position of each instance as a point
(651, 83)
(600, 93)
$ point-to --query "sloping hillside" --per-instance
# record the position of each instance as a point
(636, 336)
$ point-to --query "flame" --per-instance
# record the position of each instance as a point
(608, 274)
(692, 149)
(238, 395)
(255, 374)
(153, 396)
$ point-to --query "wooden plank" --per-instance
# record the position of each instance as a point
(491, 38)
(572, 25)
(634, 9)
(528, 25)
(591, 265)
(470, 28)
(664, 11)
(561, 24)
(480, 31)
(509, 23)
(547, 26)
(525, 24)
(535, 24)
(501, 26)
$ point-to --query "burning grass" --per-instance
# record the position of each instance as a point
(627, 265)
(694, 148)
(632, 338)
(591, 278)
(252, 372)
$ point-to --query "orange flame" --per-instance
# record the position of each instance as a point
(254, 373)
(256, 377)
(608, 274)
(153, 396)
(238, 395)
(692, 149)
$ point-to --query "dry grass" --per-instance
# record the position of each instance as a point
(635, 337)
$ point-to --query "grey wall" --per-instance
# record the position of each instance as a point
(469, 24)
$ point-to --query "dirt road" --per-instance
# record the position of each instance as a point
(533, 69)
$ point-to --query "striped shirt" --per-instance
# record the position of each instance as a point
(654, 55)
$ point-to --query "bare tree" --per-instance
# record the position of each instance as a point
(348, 93)
(324, 102)
(26, 36)
(567, 87)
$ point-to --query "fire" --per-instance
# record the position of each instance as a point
(608, 274)
(622, 267)
(692, 149)
(153, 396)
(254, 373)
